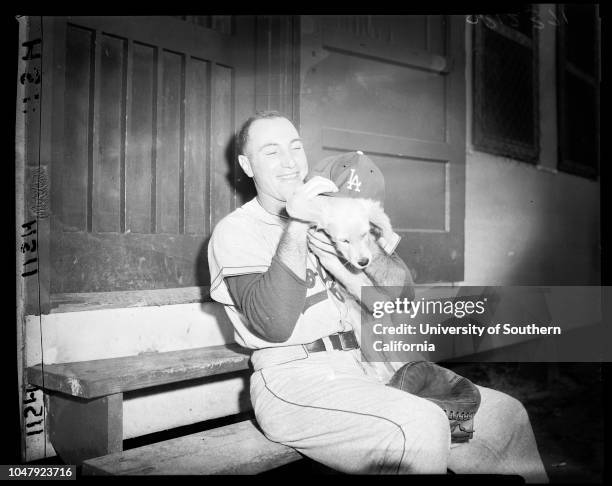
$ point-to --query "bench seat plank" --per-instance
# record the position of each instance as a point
(239, 448)
(91, 379)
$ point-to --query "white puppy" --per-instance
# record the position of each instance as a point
(348, 231)
(351, 224)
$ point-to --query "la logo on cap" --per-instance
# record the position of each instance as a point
(354, 178)
(353, 182)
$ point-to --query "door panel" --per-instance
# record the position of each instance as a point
(70, 190)
(398, 95)
(222, 119)
(393, 87)
(140, 140)
(419, 201)
(197, 109)
(169, 143)
(108, 157)
(144, 168)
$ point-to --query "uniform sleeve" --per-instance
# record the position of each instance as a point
(272, 301)
(234, 249)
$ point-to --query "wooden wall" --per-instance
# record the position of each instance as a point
(139, 121)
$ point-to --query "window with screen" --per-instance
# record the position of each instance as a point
(578, 74)
(506, 118)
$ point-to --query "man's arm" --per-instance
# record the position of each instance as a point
(271, 301)
(292, 248)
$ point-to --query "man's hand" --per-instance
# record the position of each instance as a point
(301, 204)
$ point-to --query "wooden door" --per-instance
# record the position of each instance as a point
(143, 112)
(394, 87)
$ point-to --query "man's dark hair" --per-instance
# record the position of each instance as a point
(243, 135)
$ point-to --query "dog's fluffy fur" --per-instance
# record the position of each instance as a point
(349, 223)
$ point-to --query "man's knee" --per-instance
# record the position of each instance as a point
(514, 412)
(427, 445)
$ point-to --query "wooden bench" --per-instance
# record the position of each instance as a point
(85, 416)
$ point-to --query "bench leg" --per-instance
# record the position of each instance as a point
(81, 429)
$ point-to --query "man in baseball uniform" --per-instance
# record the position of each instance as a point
(309, 388)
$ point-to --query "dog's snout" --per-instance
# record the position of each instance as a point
(363, 262)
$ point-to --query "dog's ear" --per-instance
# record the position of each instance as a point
(378, 219)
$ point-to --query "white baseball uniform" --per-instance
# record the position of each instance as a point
(331, 407)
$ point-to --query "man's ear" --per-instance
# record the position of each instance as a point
(245, 163)
(378, 218)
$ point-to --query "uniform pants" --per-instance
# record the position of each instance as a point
(329, 407)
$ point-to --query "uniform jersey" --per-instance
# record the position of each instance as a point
(244, 242)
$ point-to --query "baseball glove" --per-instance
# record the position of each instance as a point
(456, 395)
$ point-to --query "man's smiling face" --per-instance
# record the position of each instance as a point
(275, 159)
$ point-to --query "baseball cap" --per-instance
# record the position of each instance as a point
(355, 174)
